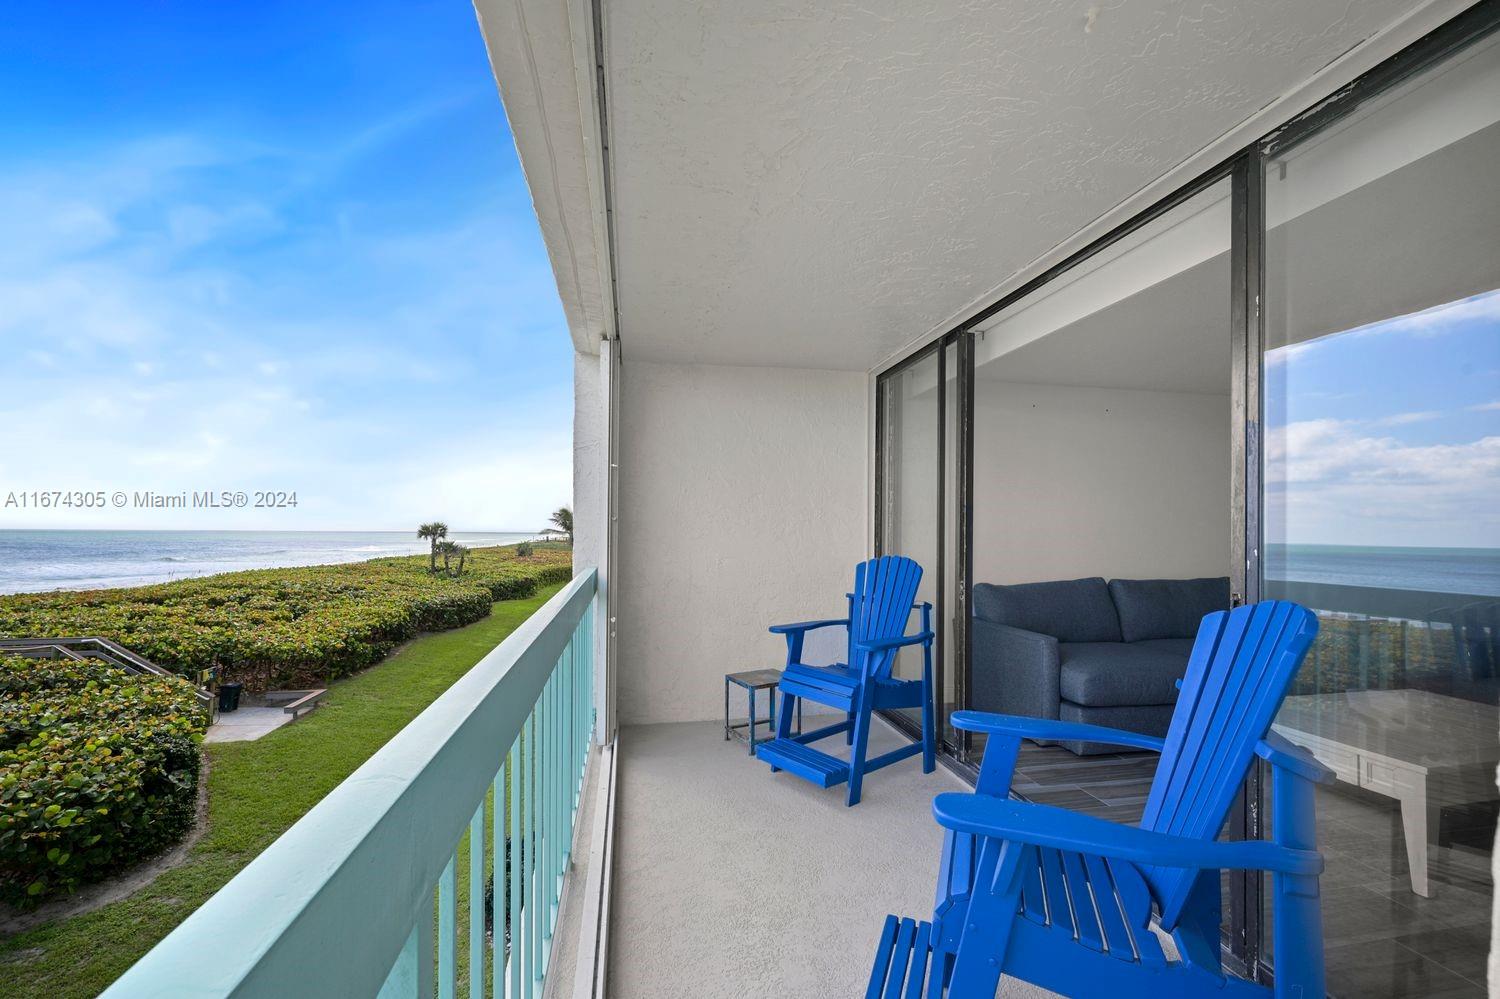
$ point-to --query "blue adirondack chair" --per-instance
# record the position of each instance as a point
(882, 601)
(1065, 900)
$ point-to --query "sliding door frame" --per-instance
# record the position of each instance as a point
(941, 348)
(1247, 292)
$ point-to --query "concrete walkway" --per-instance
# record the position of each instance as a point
(246, 724)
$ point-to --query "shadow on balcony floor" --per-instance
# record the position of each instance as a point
(733, 881)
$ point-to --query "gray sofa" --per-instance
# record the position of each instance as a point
(1089, 651)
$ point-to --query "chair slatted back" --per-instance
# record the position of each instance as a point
(1242, 663)
(884, 590)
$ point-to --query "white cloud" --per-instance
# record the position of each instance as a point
(192, 225)
(1486, 407)
(1405, 419)
(1331, 481)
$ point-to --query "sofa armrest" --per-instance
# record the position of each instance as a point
(1016, 672)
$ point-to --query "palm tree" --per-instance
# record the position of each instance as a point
(447, 549)
(563, 518)
(437, 530)
(463, 553)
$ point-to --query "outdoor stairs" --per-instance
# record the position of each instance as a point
(804, 761)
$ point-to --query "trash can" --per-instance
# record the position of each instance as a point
(229, 696)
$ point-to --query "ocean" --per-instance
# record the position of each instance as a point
(1473, 571)
(32, 561)
(82, 560)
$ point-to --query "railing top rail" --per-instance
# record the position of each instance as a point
(328, 905)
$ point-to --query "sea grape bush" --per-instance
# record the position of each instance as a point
(98, 770)
(287, 628)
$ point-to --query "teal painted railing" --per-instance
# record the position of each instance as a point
(359, 898)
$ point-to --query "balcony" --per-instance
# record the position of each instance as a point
(725, 878)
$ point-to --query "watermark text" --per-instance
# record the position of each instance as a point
(149, 499)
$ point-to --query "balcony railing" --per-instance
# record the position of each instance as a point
(358, 897)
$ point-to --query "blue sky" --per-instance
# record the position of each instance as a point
(1388, 434)
(273, 246)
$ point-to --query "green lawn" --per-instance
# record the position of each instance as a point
(256, 790)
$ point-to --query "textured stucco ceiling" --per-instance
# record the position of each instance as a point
(817, 184)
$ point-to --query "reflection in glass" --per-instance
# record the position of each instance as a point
(1381, 396)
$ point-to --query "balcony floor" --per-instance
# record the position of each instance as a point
(733, 881)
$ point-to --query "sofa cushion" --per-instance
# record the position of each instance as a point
(1114, 674)
(1177, 646)
(1166, 608)
(1070, 610)
(1147, 719)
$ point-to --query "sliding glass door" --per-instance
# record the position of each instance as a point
(1281, 382)
(911, 485)
(919, 510)
(1380, 472)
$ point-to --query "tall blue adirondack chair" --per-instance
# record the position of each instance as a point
(1066, 901)
(882, 601)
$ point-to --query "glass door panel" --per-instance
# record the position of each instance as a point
(911, 479)
(1102, 460)
(1381, 465)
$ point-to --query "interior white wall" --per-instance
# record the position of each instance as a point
(1072, 482)
(742, 504)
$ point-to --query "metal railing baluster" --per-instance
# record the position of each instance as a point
(517, 872)
(447, 950)
(476, 902)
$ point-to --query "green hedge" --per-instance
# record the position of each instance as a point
(288, 628)
(98, 770)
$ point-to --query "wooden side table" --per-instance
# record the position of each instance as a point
(751, 681)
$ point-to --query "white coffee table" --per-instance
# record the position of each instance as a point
(1425, 750)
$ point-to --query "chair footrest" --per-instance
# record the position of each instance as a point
(901, 961)
(804, 761)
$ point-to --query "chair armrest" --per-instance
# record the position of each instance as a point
(1044, 825)
(881, 644)
(1051, 729)
(1283, 754)
(787, 629)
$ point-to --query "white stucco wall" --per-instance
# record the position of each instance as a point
(1072, 482)
(590, 462)
(591, 500)
(743, 504)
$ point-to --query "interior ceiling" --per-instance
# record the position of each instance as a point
(1170, 337)
(1173, 336)
(816, 185)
